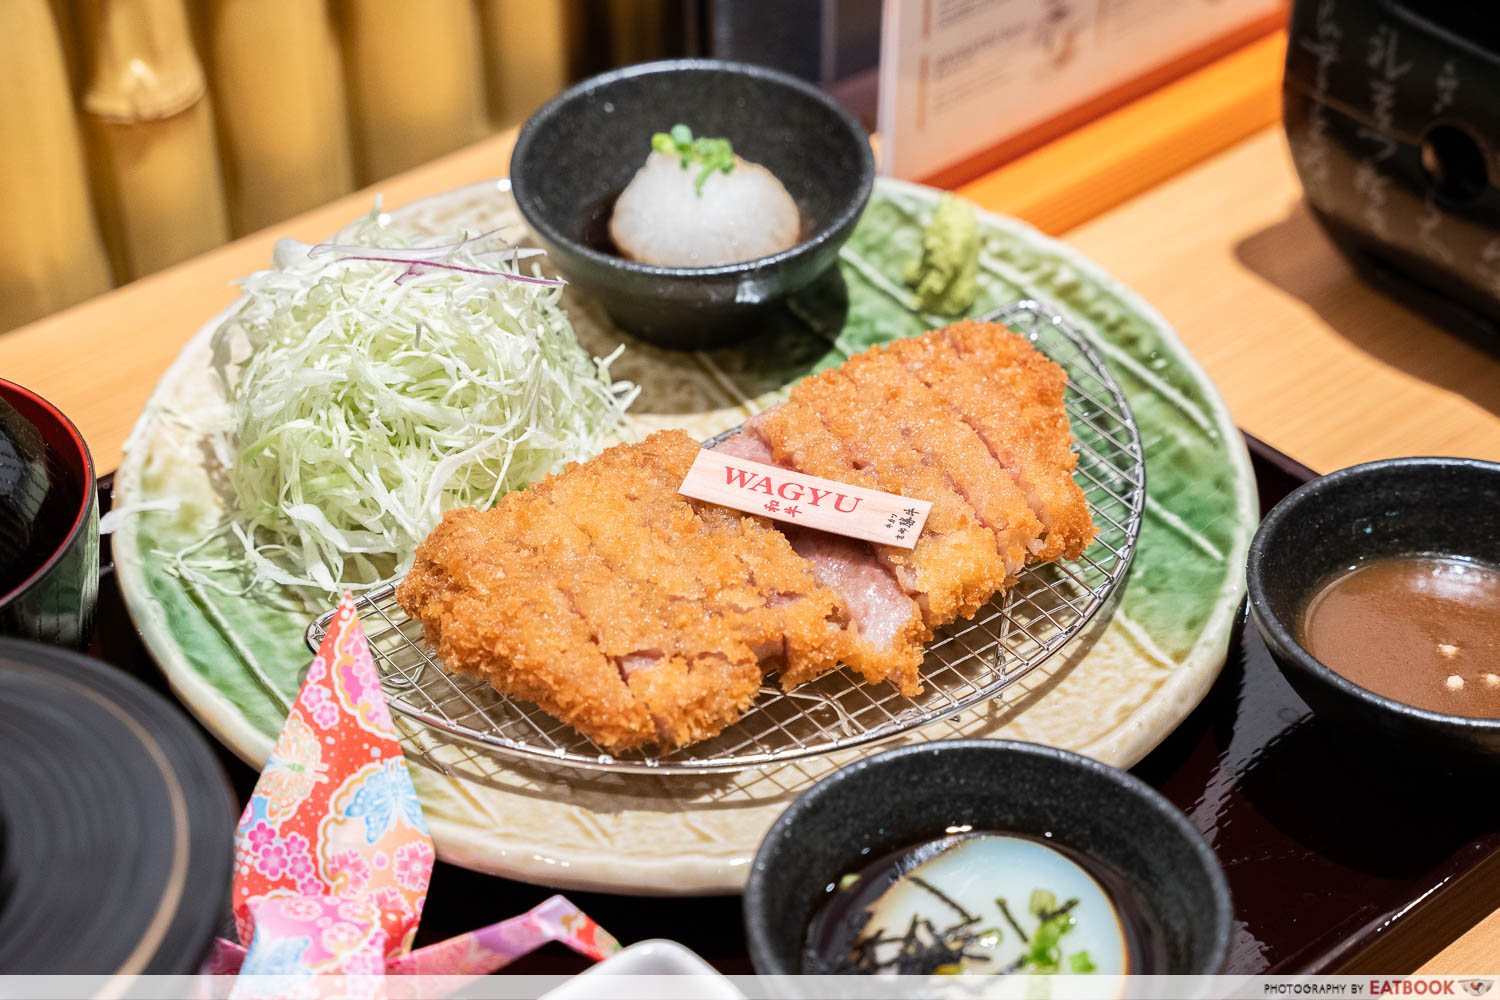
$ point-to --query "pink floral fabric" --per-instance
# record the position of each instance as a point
(332, 855)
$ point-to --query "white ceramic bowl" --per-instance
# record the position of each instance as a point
(663, 969)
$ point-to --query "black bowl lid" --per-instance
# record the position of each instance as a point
(116, 822)
(1434, 491)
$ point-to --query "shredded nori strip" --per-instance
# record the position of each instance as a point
(1010, 919)
(940, 894)
(924, 947)
(1047, 916)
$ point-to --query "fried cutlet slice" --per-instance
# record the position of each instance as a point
(1012, 396)
(492, 608)
(639, 616)
(610, 601)
(885, 631)
(694, 672)
(969, 554)
(939, 572)
(647, 533)
(519, 596)
(889, 393)
(810, 618)
(722, 566)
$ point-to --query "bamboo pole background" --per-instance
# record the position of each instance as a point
(51, 254)
(283, 115)
(416, 81)
(153, 153)
(138, 133)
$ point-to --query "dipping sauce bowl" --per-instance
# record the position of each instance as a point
(1444, 507)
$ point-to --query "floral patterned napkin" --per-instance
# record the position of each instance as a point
(333, 858)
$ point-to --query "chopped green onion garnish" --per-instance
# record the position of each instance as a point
(711, 154)
(1079, 961)
(1044, 950)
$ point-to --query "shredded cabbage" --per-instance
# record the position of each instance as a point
(386, 381)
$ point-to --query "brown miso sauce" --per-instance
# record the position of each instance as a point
(1418, 629)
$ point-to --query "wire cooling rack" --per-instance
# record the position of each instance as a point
(968, 662)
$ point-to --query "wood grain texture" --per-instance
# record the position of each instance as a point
(1477, 953)
(1309, 357)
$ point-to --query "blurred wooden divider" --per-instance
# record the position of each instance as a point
(137, 133)
(51, 254)
(527, 54)
(152, 151)
(314, 97)
(416, 81)
(283, 117)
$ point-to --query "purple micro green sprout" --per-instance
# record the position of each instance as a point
(418, 259)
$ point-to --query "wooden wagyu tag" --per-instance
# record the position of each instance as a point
(795, 498)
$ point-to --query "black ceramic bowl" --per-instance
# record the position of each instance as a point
(904, 796)
(1393, 507)
(581, 149)
(49, 523)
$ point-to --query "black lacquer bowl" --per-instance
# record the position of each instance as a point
(1400, 506)
(580, 150)
(905, 796)
(49, 523)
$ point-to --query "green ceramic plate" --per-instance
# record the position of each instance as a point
(236, 660)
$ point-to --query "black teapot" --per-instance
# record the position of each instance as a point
(1390, 112)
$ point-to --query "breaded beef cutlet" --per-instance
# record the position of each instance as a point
(885, 633)
(641, 617)
(1012, 397)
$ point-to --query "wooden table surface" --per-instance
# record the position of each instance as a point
(1309, 359)
(1476, 953)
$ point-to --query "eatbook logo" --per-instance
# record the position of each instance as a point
(825, 504)
(1477, 987)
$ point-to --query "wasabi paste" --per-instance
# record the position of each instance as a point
(945, 276)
